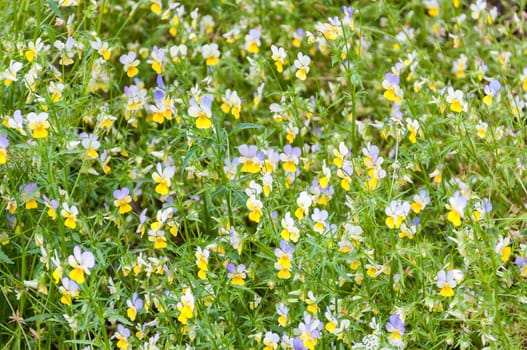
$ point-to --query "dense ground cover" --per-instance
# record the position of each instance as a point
(263, 174)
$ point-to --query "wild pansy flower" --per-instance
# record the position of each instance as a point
(456, 208)
(447, 281)
(340, 154)
(395, 327)
(122, 336)
(284, 254)
(289, 229)
(156, 235)
(255, 207)
(81, 262)
(302, 65)
(231, 103)
(69, 290)
(252, 41)
(207, 24)
(503, 249)
(396, 212)
(29, 193)
(16, 122)
(455, 98)
(290, 158)
(279, 57)
(178, 52)
(66, 50)
(304, 202)
(319, 217)
(324, 180)
(130, 64)
(420, 201)
(70, 215)
(202, 261)
(162, 109)
(271, 341)
(481, 129)
(4, 143)
(102, 48)
(320, 195)
(91, 144)
(459, 66)
(481, 209)
(122, 200)
(393, 92)
(267, 181)
(157, 59)
(522, 263)
(490, 91)
(291, 131)
(257, 95)
(409, 230)
(38, 124)
(331, 29)
(10, 74)
(251, 159)
(52, 206)
(503, 57)
(55, 90)
(202, 111)
(523, 78)
(373, 163)
(236, 274)
(272, 158)
(432, 7)
(33, 49)
(309, 331)
(135, 304)
(211, 54)
(298, 35)
(347, 20)
(477, 8)
(413, 127)
(162, 177)
(283, 312)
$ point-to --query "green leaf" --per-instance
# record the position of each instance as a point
(244, 126)
(4, 258)
(55, 8)
(187, 159)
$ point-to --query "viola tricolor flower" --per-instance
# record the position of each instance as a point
(81, 262)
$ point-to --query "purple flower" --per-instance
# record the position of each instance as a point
(159, 81)
(522, 263)
(392, 79)
(395, 324)
(493, 88)
(233, 269)
(121, 194)
(125, 332)
(292, 151)
(298, 344)
(285, 247)
(348, 11)
(29, 188)
(137, 302)
(143, 217)
(251, 151)
(4, 142)
(159, 96)
(51, 203)
(255, 34)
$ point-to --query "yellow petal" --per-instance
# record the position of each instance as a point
(77, 275)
